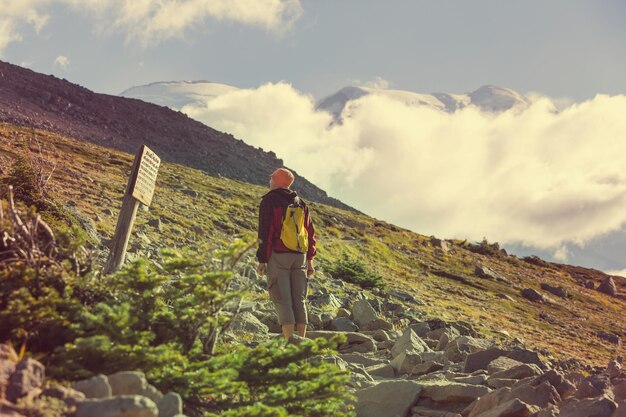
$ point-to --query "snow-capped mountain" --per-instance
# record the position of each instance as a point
(176, 94)
(488, 98)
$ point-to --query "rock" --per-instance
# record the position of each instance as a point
(382, 370)
(619, 390)
(387, 399)
(363, 314)
(170, 405)
(524, 370)
(526, 356)
(363, 359)
(127, 383)
(356, 342)
(404, 296)
(69, 396)
(426, 368)
(541, 395)
(343, 324)
(343, 312)
(444, 391)
(608, 287)
(156, 223)
(497, 383)
(449, 334)
(95, 387)
(404, 362)
(28, 375)
(429, 412)
(421, 329)
(121, 406)
(511, 408)
(379, 335)
(246, 323)
(459, 348)
(592, 407)
(469, 379)
(408, 342)
(325, 300)
(610, 337)
(484, 272)
(532, 295)
(550, 411)
(614, 368)
(558, 291)
(501, 363)
(482, 358)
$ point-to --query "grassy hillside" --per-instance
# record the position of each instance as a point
(192, 209)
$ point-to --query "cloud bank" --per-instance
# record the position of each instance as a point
(149, 22)
(537, 177)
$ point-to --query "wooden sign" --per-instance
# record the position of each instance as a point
(144, 175)
(140, 188)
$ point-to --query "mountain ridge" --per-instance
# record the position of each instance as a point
(46, 102)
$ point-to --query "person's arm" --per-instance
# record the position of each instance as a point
(265, 219)
(312, 251)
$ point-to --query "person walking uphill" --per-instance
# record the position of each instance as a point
(286, 251)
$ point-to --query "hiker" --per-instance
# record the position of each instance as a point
(286, 251)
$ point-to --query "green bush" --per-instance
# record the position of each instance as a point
(165, 323)
(488, 249)
(356, 272)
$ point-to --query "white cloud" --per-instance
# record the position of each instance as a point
(62, 61)
(619, 272)
(378, 82)
(536, 177)
(150, 21)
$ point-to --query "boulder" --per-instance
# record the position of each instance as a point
(591, 407)
(387, 399)
(343, 324)
(532, 295)
(521, 371)
(95, 387)
(482, 358)
(28, 375)
(127, 383)
(608, 287)
(541, 395)
(511, 408)
(409, 342)
(170, 405)
(363, 359)
(69, 396)
(558, 291)
(120, 406)
(382, 370)
(405, 362)
(426, 368)
(501, 363)
(246, 323)
(366, 318)
(356, 342)
(459, 348)
(442, 391)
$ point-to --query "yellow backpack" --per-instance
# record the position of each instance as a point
(293, 234)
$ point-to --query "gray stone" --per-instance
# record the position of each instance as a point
(170, 405)
(591, 407)
(363, 359)
(409, 342)
(610, 337)
(363, 314)
(325, 300)
(443, 391)
(121, 406)
(68, 395)
(608, 287)
(405, 362)
(356, 342)
(95, 387)
(482, 358)
(532, 295)
(246, 323)
(497, 383)
(151, 392)
(343, 312)
(511, 408)
(558, 291)
(426, 368)
(459, 348)
(541, 395)
(524, 370)
(387, 399)
(382, 370)
(343, 324)
(28, 375)
(421, 329)
(502, 363)
(127, 383)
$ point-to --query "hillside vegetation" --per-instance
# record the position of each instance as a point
(453, 280)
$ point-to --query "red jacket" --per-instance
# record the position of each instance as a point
(271, 213)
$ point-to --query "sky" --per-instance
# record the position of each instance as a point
(547, 179)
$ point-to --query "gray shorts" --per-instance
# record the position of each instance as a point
(288, 286)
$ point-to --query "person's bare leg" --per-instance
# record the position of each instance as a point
(287, 330)
(301, 329)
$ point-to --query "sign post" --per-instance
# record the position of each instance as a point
(140, 189)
